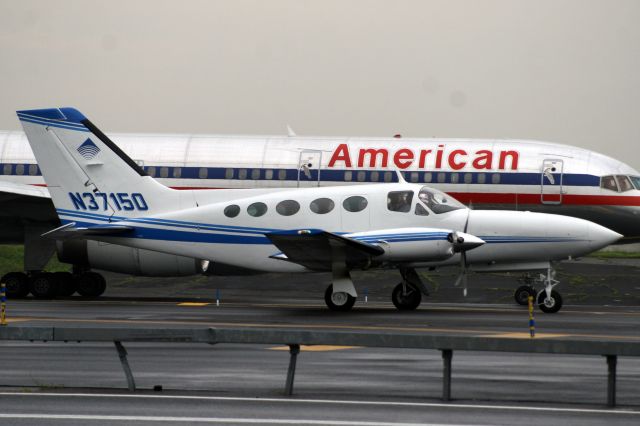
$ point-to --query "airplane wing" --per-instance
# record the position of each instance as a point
(19, 189)
(69, 231)
(316, 249)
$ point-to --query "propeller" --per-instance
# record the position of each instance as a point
(461, 243)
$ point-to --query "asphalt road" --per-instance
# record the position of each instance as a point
(50, 383)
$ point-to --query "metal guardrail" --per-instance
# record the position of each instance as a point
(610, 349)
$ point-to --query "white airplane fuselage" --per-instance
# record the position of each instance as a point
(486, 174)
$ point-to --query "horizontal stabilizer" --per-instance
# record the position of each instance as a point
(316, 249)
(69, 231)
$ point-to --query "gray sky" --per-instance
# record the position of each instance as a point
(563, 71)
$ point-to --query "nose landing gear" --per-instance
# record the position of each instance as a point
(549, 300)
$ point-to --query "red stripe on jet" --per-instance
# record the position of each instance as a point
(572, 199)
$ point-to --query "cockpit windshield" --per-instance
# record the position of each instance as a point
(438, 202)
(620, 183)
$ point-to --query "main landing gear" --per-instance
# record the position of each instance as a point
(406, 296)
(549, 300)
(48, 285)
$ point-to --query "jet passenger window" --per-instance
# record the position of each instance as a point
(355, 204)
(232, 210)
(399, 201)
(257, 209)
(421, 211)
(624, 183)
(322, 205)
(437, 201)
(287, 207)
(609, 182)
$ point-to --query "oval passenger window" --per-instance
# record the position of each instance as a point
(355, 204)
(257, 209)
(322, 205)
(287, 207)
(232, 210)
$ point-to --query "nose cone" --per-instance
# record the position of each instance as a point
(464, 241)
(601, 237)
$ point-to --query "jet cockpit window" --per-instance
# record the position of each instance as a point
(636, 181)
(624, 183)
(609, 182)
(437, 201)
(399, 201)
(355, 204)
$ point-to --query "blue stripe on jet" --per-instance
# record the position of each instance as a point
(328, 175)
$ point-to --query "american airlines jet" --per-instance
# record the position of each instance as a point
(488, 174)
(102, 194)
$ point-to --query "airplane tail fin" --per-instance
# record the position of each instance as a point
(90, 178)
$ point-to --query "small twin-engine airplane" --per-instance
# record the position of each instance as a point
(102, 194)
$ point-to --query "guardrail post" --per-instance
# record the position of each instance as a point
(612, 361)
(122, 353)
(294, 350)
(447, 355)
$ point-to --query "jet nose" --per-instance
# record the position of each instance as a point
(601, 237)
(463, 241)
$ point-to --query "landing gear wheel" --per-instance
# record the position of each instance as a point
(522, 294)
(339, 301)
(66, 283)
(408, 301)
(17, 285)
(550, 305)
(43, 285)
(90, 284)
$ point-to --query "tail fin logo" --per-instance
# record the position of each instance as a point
(88, 149)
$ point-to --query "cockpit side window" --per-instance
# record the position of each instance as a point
(399, 201)
(624, 183)
(437, 201)
(636, 181)
(609, 182)
(420, 210)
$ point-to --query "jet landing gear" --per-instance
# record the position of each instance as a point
(549, 300)
(47, 285)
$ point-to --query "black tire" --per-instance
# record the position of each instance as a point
(43, 285)
(340, 301)
(17, 285)
(522, 294)
(554, 304)
(406, 302)
(90, 284)
(66, 283)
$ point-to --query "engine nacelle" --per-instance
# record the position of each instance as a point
(127, 260)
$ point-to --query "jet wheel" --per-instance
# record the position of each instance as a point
(522, 294)
(66, 283)
(339, 301)
(43, 285)
(408, 301)
(90, 284)
(17, 285)
(549, 305)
